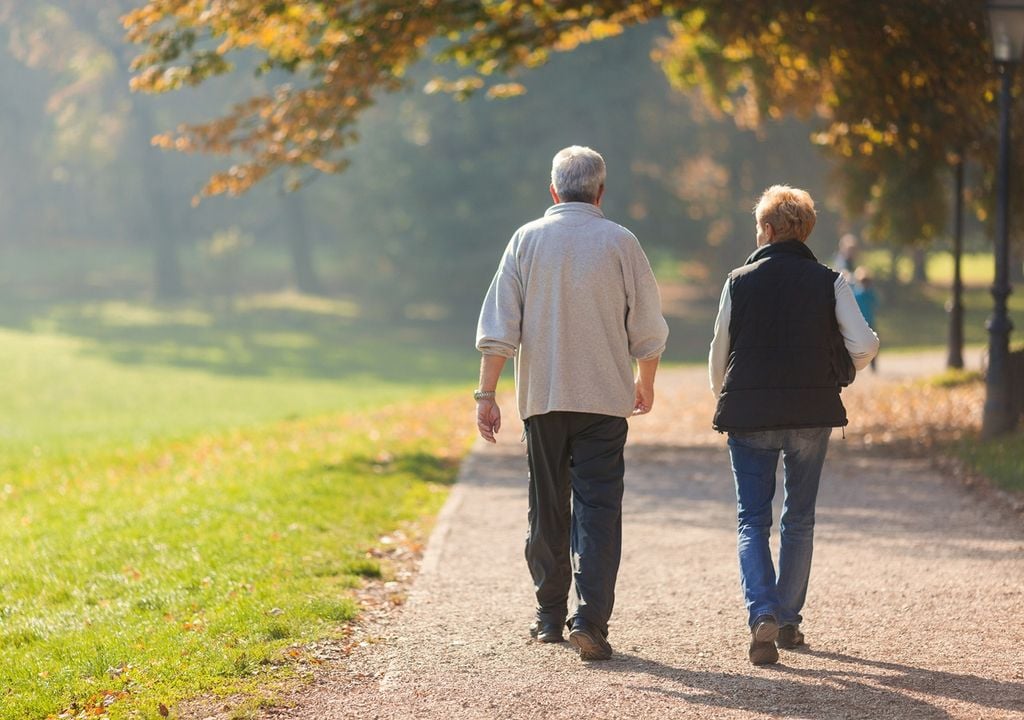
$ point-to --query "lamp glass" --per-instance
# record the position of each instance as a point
(1006, 24)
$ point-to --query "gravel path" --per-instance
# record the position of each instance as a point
(914, 610)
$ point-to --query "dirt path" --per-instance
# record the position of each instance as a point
(916, 605)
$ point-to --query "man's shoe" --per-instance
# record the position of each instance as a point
(789, 637)
(589, 641)
(763, 634)
(546, 632)
(763, 653)
(765, 629)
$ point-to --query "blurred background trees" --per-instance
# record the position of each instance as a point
(696, 106)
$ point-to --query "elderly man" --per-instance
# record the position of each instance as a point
(788, 336)
(574, 301)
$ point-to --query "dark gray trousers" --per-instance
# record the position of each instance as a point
(575, 456)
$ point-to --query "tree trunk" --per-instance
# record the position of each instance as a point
(955, 356)
(161, 230)
(894, 264)
(300, 245)
(1017, 264)
(920, 265)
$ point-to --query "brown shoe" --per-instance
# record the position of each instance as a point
(546, 632)
(789, 637)
(589, 641)
(763, 634)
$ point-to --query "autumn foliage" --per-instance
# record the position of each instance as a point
(893, 75)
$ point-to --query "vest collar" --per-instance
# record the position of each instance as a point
(782, 247)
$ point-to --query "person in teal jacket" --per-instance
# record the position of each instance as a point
(867, 301)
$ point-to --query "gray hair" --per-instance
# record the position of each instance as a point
(578, 173)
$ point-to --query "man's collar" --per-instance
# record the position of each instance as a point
(574, 207)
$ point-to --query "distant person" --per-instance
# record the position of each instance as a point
(787, 338)
(867, 301)
(846, 254)
(575, 302)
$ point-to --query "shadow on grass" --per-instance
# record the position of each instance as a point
(294, 337)
(320, 338)
(423, 466)
(300, 337)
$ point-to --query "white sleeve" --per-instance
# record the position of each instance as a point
(646, 329)
(500, 326)
(860, 340)
(718, 356)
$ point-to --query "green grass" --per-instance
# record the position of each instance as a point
(189, 568)
(954, 378)
(186, 495)
(914, 316)
(1001, 461)
(977, 269)
(90, 374)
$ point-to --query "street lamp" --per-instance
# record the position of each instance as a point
(1006, 24)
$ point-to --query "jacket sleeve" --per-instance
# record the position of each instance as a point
(718, 355)
(646, 328)
(499, 329)
(860, 340)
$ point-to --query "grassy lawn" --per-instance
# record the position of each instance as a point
(975, 268)
(188, 494)
(1001, 461)
(186, 498)
(914, 316)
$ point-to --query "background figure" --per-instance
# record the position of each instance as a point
(787, 333)
(575, 302)
(846, 254)
(867, 300)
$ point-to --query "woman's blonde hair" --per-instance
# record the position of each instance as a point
(789, 210)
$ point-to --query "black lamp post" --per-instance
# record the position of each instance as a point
(1006, 23)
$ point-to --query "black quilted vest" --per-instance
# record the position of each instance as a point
(786, 357)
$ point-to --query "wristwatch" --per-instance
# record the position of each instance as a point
(483, 394)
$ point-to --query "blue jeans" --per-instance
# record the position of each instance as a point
(755, 457)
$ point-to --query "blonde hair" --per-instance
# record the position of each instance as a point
(789, 210)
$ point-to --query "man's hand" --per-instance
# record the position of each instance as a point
(488, 419)
(644, 398)
(646, 370)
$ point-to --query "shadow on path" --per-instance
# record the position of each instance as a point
(858, 690)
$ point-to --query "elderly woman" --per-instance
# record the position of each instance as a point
(787, 338)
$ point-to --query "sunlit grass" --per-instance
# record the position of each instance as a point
(191, 566)
(976, 269)
(914, 316)
(955, 377)
(1000, 460)
(172, 530)
(94, 373)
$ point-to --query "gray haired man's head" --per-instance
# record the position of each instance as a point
(577, 174)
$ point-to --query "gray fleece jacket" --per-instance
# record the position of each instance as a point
(574, 300)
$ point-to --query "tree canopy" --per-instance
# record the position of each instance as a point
(343, 56)
(900, 88)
